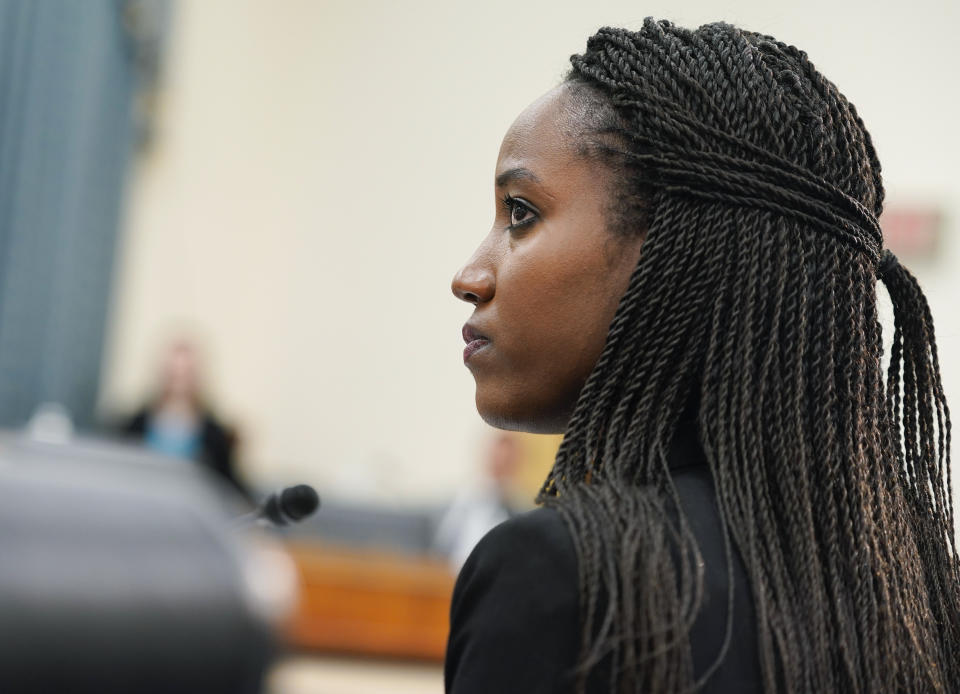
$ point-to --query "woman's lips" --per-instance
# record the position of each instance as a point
(472, 347)
(475, 342)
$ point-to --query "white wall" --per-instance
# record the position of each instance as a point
(323, 168)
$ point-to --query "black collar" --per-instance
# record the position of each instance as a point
(685, 448)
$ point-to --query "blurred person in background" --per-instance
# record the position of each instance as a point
(178, 421)
(474, 511)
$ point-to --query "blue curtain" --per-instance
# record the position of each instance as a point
(68, 79)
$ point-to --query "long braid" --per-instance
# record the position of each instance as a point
(757, 188)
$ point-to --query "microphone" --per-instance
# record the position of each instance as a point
(291, 505)
(288, 506)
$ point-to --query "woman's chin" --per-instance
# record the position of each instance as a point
(513, 419)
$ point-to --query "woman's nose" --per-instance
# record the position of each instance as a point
(473, 284)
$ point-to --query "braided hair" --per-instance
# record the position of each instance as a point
(755, 297)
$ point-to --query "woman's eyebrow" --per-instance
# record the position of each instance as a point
(515, 174)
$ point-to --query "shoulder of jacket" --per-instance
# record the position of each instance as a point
(535, 543)
(515, 610)
(541, 528)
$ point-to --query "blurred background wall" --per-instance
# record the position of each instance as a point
(319, 170)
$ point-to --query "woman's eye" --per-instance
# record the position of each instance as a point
(520, 213)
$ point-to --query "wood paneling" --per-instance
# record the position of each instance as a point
(370, 603)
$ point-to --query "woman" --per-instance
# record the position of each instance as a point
(178, 422)
(681, 278)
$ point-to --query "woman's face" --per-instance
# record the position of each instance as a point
(547, 279)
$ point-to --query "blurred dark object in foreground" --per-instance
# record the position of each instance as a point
(121, 573)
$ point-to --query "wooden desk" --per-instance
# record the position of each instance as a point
(370, 603)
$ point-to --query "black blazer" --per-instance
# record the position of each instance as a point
(217, 444)
(515, 616)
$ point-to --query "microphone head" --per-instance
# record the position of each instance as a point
(299, 501)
